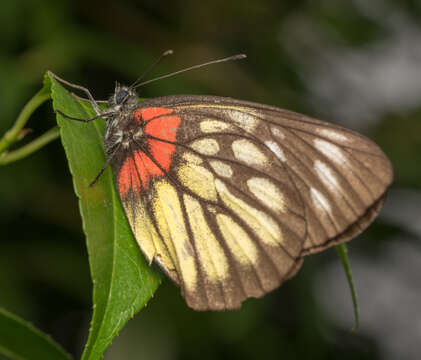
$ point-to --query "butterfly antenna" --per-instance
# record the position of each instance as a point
(234, 57)
(156, 62)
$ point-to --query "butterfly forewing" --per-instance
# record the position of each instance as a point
(227, 196)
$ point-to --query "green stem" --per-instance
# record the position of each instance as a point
(28, 149)
(12, 135)
(343, 254)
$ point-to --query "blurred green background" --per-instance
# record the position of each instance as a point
(356, 63)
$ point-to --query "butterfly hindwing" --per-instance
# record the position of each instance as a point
(226, 196)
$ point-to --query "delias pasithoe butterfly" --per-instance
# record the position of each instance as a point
(228, 196)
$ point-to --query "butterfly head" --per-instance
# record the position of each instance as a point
(124, 98)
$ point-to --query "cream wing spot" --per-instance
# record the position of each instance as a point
(199, 180)
(262, 224)
(267, 193)
(276, 150)
(210, 252)
(214, 126)
(249, 153)
(206, 146)
(245, 120)
(192, 158)
(221, 168)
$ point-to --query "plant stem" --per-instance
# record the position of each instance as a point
(343, 254)
(28, 149)
(12, 135)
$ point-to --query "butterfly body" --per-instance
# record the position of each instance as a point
(121, 130)
(227, 196)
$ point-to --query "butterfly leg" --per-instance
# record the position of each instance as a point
(100, 172)
(79, 87)
(85, 99)
(107, 162)
(103, 115)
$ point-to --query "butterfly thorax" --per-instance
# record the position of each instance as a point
(122, 130)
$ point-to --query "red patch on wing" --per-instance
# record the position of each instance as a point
(138, 169)
(164, 128)
(136, 172)
(162, 153)
(153, 112)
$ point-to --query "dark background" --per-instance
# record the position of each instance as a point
(357, 63)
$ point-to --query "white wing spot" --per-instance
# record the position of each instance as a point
(333, 135)
(332, 151)
(247, 152)
(278, 133)
(276, 150)
(326, 175)
(319, 200)
(206, 146)
(221, 168)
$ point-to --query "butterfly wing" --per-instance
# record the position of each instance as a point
(228, 195)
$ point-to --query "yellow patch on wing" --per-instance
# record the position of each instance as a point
(192, 158)
(143, 229)
(261, 223)
(206, 146)
(247, 152)
(214, 126)
(210, 252)
(242, 247)
(221, 168)
(199, 180)
(171, 224)
(149, 241)
(266, 191)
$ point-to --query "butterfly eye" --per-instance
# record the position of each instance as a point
(121, 96)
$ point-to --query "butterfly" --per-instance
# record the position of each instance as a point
(228, 196)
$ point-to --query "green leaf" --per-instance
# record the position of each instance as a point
(342, 251)
(122, 280)
(20, 340)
